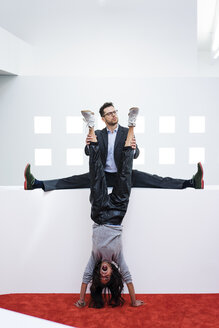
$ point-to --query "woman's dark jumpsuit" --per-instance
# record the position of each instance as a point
(109, 208)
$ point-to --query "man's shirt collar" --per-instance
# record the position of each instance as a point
(116, 130)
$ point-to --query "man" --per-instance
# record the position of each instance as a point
(111, 141)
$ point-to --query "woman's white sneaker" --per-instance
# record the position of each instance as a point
(88, 118)
(133, 113)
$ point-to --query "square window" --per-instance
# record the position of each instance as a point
(166, 155)
(196, 155)
(141, 158)
(42, 124)
(74, 156)
(74, 124)
(43, 157)
(140, 124)
(197, 124)
(167, 124)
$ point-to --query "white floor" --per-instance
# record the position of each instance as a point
(170, 240)
(10, 319)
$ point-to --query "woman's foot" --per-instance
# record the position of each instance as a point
(133, 113)
(130, 139)
(88, 118)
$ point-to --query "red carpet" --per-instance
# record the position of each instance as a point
(161, 311)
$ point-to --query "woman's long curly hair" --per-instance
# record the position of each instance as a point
(114, 288)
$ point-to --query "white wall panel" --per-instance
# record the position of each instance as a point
(170, 240)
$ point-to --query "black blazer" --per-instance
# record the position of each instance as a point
(102, 137)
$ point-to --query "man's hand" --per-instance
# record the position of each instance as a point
(133, 143)
(89, 139)
(138, 303)
(80, 304)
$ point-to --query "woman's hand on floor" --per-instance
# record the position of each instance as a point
(80, 304)
(138, 303)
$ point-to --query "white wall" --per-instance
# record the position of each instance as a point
(170, 240)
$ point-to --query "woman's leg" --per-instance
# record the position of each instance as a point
(119, 198)
(98, 188)
(111, 208)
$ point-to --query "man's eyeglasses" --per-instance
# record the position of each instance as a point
(111, 113)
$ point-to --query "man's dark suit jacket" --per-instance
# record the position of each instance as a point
(102, 136)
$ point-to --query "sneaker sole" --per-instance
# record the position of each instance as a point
(25, 182)
(134, 108)
(202, 180)
(87, 111)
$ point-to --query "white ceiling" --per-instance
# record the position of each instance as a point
(106, 37)
(5, 73)
(35, 21)
(131, 37)
(41, 21)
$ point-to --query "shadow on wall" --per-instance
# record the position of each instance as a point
(5, 81)
(6, 136)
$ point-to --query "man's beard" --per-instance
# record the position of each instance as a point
(112, 123)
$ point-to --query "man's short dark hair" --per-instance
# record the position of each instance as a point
(107, 104)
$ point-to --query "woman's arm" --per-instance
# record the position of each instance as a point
(85, 281)
(81, 302)
(132, 295)
(128, 280)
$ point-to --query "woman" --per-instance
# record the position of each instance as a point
(106, 268)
